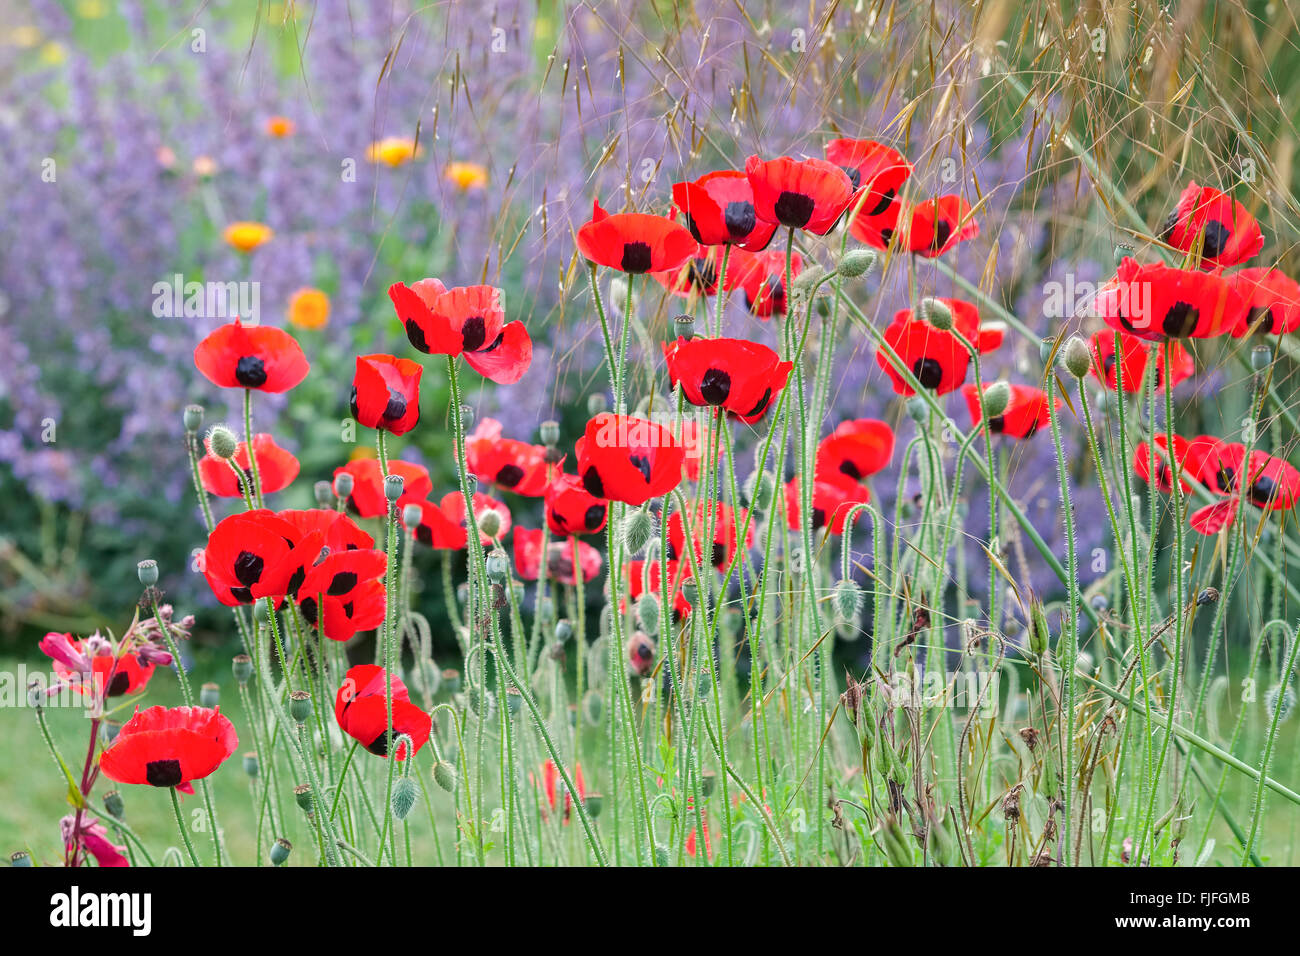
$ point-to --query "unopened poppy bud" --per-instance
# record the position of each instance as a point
(563, 630)
(490, 523)
(638, 530)
(937, 313)
(114, 805)
(684, 326)
(251, 764)
(895, 842)
(193, 418)
(405, 792)
(596, 403)
(302, 796)
(209, 695)
(280, 851)
(848, 599)
(343, 483)
(242, 668)
(805, 281)
(640, 654)
(918, 409)
(856, 263)
(1039, 634)
(444, 775)
(1261, 357)
(546, 608)
(299, 705)
(222, 441)
(549, 432)
(20, 858)
(708, 782)
(498, 566)
(324, 494)
(147, 572)
(996, 398)
(1075, 357)
(466, 415)
(661, 855)
(109, 730)
(480, 701)
(393, 485)
(647, 612)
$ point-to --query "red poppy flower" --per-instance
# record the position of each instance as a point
(571, 509)
(1026, 411)
(386, 393)
(467, 321)
(809, 194)
(435, 529)
(1134, 356)
(1272, 301)
(697, 276)
(628, 459)
(719, 210)
(985, 336)
(726, 532)
(563, 557)
(1272, 484)
(453, 506)
(872, 167)
(834, 496)
(1228, 234)
(936, 225)
(241, 548)
(92, 667)
(856, 448)
(169, 746)
(687, 433)
(634, 242)
(509, 464)
(1197, 459)
(1155, 300)
(703, 828)
(340, 533)
(741, 376)
(935, 356)
(361, 709)
(553, 783)
(344, 594)
(254, 356)
(638, 575)
(876, 230)
(367, 499)
(762, 277)
(276, 468)
(640, 650)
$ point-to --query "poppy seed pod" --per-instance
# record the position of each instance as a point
(280, 851)
(1261, 357)
(251, 764)
(242, 668)
(193, 418)
(324, 494)
(759, 489)
(20, 858)
(593, 802)
(489, 523)
(684, 327)
(299, 705)
(596, 403)
(857, 263)
(498, 565)
(996, 398)
(549, 432)
(393, 485)
(148, 572)
(222, 442)
(937, 313)
(302, 796)
(343, 484)
(563, 630)
(114, 805)
(1075, 357)
(209, 695)
(514, 701)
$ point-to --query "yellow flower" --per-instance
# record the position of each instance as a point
(280, 126)
(24, 37)
(361, 452)
(204, 166)
(92, 9)
(393, 151)
(466, 176)
(247, 236)
(309, 308)
(53, 53)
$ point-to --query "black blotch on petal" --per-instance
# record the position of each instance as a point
(855, 177)
(1260, 319)
(295, 581)
(740, 219)
(848, 467)
(885, 200)
(248, 568)
(636, 257)
(794, 209)
(818, 518)
(942, 233)
(509, 476)
(761, 405)
(163, 773)
(396, 406)
(250, 371)
(473, 332)
(424, 535)
(1180, 320)
(997, 424)
(118, 685)
(342, 583)
(416, 335)
(593, 517)
(1263, 491)
(719, 555)
(641, 464)
(591, 481)
(1216, 238)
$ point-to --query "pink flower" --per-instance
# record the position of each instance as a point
(60, 647)
(94, 839)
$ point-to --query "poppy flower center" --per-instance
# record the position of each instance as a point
(928, 372)
(509, 476)
(473, 333)
(942, 233)
(636, 257)
(1180, 320)
(740, 219)
(163, 773)
(715, 386)
(848, 467)
(250, 371)
(642, 464)
(593, 517)
(1263, 491)
(793, 209)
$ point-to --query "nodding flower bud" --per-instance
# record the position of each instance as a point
(302, 796)
(639, 529)
(489, 523)
(444, 775)
(209, 695)
(393, 485)
(563, 630)
(1261, 357)
(807, 280)
(848, 599)
(20, 858)
(684, 326)
(1039, 635)
(1076, 357)
(343, 485)
(324, 494)
(280, 851)
(242, 668)
(193, 418)
(299, 705)
(597, 402)
(996, 398)
(411, 515)
(647, 613)
(251, 763)
(618, 290)
(856, 263)
(936, 313)
(222, 441)
(498, 565)
(114, 805)
(148, 572)
(549, 432)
